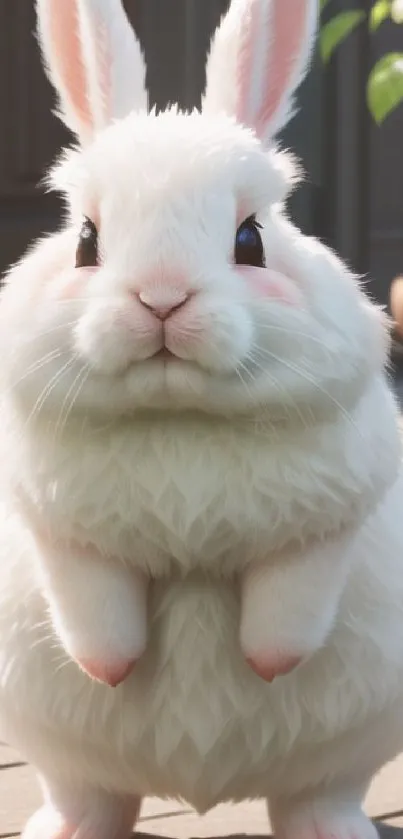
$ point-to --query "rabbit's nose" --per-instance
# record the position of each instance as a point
(162, 305)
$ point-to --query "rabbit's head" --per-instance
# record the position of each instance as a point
(178, 282)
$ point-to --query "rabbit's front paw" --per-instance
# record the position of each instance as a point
(98, 607)
(289, 604)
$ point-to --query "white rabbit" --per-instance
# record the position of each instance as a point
(200, 459)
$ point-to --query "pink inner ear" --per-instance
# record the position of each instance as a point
(99, 62)
(288, 23)
(247, 59)
(271, 41)
(104, 80)
(64, 45)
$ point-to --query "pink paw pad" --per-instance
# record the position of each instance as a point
(110, 673)
(269, 668)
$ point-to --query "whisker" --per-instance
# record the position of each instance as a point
(44, 639)
(47, 390)
(288, 331)
(280, 388)
(71, 398)
(290, 366)
(71, 301)
(53, 355)
(53, 329)
(266, 416)
(242, 366)
(268, 421)
(264, 352)
(64, 663)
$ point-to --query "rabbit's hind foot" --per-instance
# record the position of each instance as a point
(321, 819)
(99, 816)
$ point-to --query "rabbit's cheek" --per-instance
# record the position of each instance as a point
(271, 284)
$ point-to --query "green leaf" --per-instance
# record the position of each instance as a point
(379, 12)
(334, 32)
(323, 4)
(385, 86)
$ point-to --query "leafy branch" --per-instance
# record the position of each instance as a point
(385, 82)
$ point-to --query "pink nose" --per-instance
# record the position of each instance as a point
(162, 306)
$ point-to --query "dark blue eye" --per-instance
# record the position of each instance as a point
(248, 244)
(87, 247)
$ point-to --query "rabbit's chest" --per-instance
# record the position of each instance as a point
(188, 496)
(162, 509)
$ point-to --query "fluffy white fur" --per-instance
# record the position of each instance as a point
(166, 519)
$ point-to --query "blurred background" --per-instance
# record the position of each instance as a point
(349, 130)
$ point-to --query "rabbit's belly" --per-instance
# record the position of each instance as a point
(192, 721)
(210, 727)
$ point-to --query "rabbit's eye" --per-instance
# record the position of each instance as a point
(87, 248)
(248, 244)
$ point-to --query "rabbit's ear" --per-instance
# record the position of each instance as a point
(260, 54)
(93, 60)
